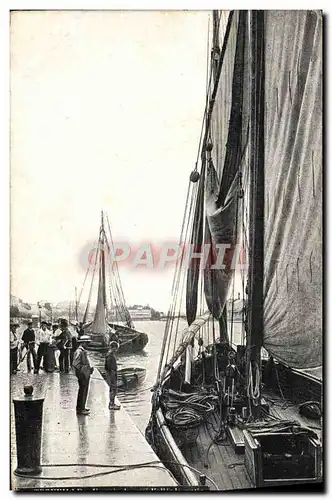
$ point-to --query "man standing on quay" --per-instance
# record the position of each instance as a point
(29, 341)
(43, 337)
(64, 345)
(83, 371)
(112, 374)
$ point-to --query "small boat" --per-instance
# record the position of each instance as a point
(130, 339)
(100, 331)
(131, 377)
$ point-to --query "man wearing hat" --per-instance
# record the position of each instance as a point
(83, 371)
(43, 338)
(29, 341)
(13, 347)
(64, 345)
(112, 374)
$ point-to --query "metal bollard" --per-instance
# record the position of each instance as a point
(28, 426)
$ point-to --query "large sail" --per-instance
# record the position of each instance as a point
(293, 187)
(99, 324)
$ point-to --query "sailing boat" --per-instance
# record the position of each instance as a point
(100, 330)
(224, 413)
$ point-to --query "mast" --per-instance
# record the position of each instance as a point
(99, 324)
(102, 258)
(256, 225)
(215, 53)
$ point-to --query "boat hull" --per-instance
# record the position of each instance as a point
(130, 378)
(297, 386)
(130, 340)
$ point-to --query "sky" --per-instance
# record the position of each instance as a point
(106, 113)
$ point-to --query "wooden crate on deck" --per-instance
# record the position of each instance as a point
(277, 459)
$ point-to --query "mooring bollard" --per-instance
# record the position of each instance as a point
(28, 425)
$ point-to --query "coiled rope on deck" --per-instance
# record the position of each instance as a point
(188, 411)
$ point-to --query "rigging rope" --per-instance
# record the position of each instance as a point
(86, 275)
(180, 283)
(253, 392)
(177, 275)
(175, 284)
(116, 275)
(90, 292)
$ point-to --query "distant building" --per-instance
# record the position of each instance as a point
(140, 313)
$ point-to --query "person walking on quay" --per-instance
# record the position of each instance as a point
(64, 345)
(111, 369)
(43, 338)
(29, 342)
(13, 347)
(83, 371)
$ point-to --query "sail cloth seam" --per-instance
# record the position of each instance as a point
(293, 316)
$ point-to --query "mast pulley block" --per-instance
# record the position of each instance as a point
(194, 176)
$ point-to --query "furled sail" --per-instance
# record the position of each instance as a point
(196, 244)
(228, 134)
(187, 337)
(293, 187)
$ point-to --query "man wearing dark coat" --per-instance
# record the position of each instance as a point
(63, 342)
(29, 341)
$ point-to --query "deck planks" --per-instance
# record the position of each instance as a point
(222, 457)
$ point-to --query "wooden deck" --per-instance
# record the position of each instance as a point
(220, 462)
(223, 465)
(104, 437)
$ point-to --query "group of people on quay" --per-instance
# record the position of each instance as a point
(40, 347)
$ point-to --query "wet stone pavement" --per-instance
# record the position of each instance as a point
(102, 438)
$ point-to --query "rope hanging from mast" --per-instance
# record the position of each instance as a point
(90, 292)
(187, 223)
